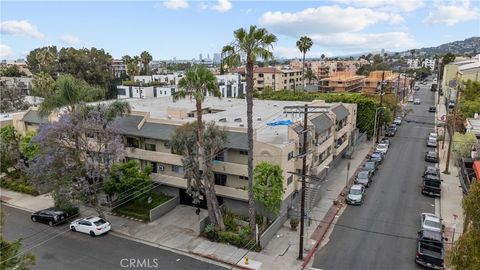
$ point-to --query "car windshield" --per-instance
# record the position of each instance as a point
(376, 155)
(355, 191)
(362, 175)
(99, 222)
(369, 165)
(433, 224)
(382, 146)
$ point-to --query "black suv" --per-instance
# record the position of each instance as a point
(51, 216)
(431, 156)
(430, 251)
(432, 185)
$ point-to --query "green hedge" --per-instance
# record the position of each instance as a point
(140, 208)
(17, 181)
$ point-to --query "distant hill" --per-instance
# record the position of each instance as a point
(461, 47)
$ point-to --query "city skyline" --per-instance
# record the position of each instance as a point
(340, 27)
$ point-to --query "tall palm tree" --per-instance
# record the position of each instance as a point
(146, 58)
(310, 76)
(197, 83)
(304, 44)
(251, 43)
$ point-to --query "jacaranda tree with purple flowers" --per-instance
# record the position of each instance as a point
(77, 153)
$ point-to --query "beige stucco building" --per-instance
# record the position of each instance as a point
(342, 82)
(149, 128)
(464, 70)
(274, 77)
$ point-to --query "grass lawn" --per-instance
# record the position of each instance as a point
(140, 208)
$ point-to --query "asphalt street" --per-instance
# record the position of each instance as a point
(380, 234)
(58, 248)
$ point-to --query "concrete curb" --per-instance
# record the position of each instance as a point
(198, 256)
(18, 207)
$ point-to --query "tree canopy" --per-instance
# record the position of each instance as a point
(12, 71)
(268, 185)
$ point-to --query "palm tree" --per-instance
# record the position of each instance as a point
(250, 43)
(304, 44)
(310, 76)
(197, 83)
(146, 58)
(70, 92)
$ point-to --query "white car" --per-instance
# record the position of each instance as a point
(410, 99)
(416, 101)
(397, 121)
(432, 142)
(430, 222)
(91, 225)
(432, 135)
(382, 148)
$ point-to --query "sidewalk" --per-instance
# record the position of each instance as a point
(450, 203)
(175, 230)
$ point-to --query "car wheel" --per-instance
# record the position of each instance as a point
(50, 223)
(73, 229)
(34, 219)
(92, 233)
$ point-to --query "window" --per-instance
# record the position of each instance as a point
(154, 167)
(150, 147)
(133, 142)
(290, 155)
(177, 169)
(289, 180)
(243, 152)
(243, 177)
(220, 156)
(220, 179)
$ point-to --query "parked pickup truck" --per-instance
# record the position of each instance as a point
(432, 185)
(430, 252)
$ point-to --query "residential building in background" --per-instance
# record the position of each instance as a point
(429, 63)
(274, 77)
(148, 129)
(374, 80)
(342, 82)
(413, 63)
(465, 69)
(217, 58)
(119, 68)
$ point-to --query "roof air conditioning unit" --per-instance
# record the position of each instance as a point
(241, 125)
(259, 118)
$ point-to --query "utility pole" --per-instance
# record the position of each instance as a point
(404, 86)
(305, 110)
(452, 128)
(398, 89)
(381, 104)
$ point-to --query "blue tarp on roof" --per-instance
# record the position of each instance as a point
(287, 122)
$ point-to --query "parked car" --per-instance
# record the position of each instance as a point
(451, 104)
(397, 121)
(432, 142)
(370, 166)
(430, 222)
(432, 186)
(410, 99)
(430, 249)
(431, 170)
(416, 101)
(382, 148)
(390, 132)
(51, 216)
(376, 157)
(364, 178)
(385, 141)
(90, 225)
(433, 135)
(356, 195)
(432, 109)
(431, 156)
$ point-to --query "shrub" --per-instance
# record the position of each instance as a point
(210, 232)
(293, 224)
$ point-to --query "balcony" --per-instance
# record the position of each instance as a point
(178, 182)
(161, 157)
(229, 168)
(341, 132)
(340, 148)
(321, 147)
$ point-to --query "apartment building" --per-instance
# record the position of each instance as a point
(119, 68)
(429, 63)
(149, 128)
(468, 69)
(157, 86)
(342, 82)
(373, 82)
(413, 63)
(276, 78)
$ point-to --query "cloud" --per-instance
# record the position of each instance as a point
(325, 19)
(22, 28)
(5, 51)
(293, 52)
(70, 40)
(221, 6)
(175, 4)
(361, 42)
(386, 5)
(452, 14)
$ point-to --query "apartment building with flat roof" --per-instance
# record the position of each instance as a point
(276, 78)
(373, 82)
(342, 82)
(152, 123)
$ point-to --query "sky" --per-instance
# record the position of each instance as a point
(183, 29)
